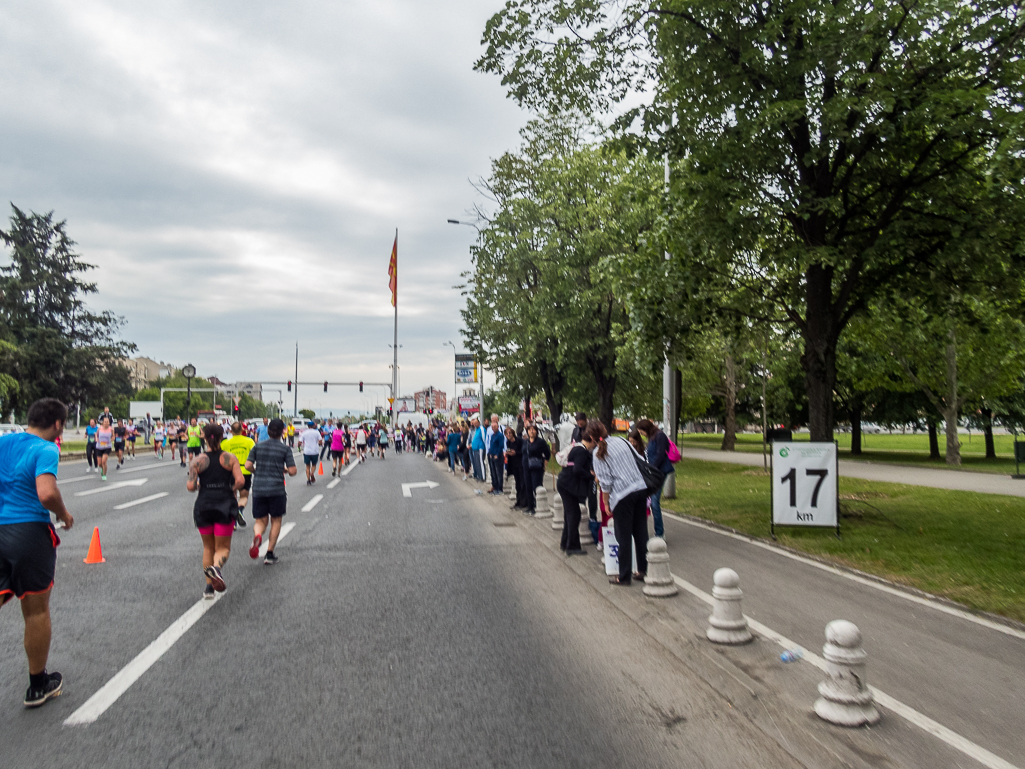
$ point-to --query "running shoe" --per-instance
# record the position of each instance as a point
(103, 477)
(216, 578)
(208, 592)
(52, 688)
(254, 551)
(241, 518)
(270, 559)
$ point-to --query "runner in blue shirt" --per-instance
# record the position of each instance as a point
(28, 541)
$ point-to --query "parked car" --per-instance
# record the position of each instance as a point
(9, 429)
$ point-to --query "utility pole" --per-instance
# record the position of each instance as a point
(669, 390)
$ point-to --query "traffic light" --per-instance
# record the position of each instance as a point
(325, 386)
(361, 387)
(290, 385)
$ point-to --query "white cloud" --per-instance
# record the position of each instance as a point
(250, 161)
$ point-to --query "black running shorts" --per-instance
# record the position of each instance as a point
(272, 506)
(337, 453)
(195, 450)
(249, 482)
(311, 459)
(28, 558)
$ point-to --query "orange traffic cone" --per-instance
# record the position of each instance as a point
(321, 470)
(95, 554)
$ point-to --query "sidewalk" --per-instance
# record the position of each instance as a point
(952, 480)
(964, 673)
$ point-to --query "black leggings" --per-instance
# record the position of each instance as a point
(533, 479)
(571, 522)
(630, 522)
(90, 455)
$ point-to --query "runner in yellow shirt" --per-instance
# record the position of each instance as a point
(239, 445)
(195, 438)
(290, 430)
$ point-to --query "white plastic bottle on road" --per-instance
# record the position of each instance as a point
(792, 655)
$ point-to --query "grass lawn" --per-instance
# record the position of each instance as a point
(69, 446)
(965, 546)
(899, 449)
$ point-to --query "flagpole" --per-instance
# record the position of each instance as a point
(395, 346)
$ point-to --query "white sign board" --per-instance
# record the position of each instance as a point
(469, 404)
(404, 404)
(804, 491)
(610, 549)
(466, 369)
(139, 409)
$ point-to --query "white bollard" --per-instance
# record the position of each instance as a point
(585, 528)
(846, 699)
(512, 489)
(541, 509)
(727, 625)
(558, 516)
(659, 581)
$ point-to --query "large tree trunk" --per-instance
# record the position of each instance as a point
(987, 430)
(729, 436)
(821, 333)
(603, 369)
(856, 407)
(950, 407)
(553, 383)
(934, 440)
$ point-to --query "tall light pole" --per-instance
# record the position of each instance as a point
(295, 407)
(480, 369)
(189, 371)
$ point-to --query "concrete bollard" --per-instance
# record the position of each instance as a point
(659, 582)
(727, 625)
(541, 509)
(512, 490)
(846, 699)
(558, 516)
(585, 528)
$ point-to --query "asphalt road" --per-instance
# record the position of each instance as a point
(395, 632)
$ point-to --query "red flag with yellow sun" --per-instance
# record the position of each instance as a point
(393, 272)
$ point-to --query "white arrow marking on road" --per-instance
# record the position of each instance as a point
(408, 487)
(135, 502)
(312, 503)
(334, 483)
(109, 486)
(110, 692)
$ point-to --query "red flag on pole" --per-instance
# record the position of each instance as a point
(393, 272)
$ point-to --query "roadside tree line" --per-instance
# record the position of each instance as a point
(839, 231)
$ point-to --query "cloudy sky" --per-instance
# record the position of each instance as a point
(237, 170)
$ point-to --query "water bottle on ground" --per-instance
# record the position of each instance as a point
(792, 655)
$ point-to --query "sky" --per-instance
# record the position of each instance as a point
(237, 171)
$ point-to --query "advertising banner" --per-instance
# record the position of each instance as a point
(466, 369)
(469, 404)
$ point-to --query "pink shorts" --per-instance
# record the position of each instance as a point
(218, 530)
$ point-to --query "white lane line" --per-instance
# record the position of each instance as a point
(285, 528)
(906, 712)
(111, 487)
(135, 502)
(1007, 630)
(312, 503)
(122, 681)
(350, 468)
(65, 481)
(150, 466)
(334, 483)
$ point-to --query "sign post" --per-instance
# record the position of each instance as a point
(805, 491)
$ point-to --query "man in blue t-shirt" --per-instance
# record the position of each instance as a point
(261, 431)
(28, 541)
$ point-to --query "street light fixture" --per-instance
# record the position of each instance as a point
(189, 371)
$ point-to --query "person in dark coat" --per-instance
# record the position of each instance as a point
(574, 486)
(514, 465)
(536, 454)
(658, 456)
(592, 496)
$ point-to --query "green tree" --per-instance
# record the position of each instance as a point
(61, 349)
(541, 309)
(308, 413)
(825, 152)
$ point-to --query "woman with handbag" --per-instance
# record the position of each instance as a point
(658, 456)
(574, 486)
(624, 490)
(535, 456)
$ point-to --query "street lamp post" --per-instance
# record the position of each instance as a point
(188, 371)
(455, 384)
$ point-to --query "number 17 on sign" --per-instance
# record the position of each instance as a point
(804, 485)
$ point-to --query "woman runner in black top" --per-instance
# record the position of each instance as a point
(216, 475)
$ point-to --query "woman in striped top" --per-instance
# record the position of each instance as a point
(625, 494)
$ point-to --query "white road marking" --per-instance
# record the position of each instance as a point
(111, 486)
(150, 466)
(937, 605)
(334, 483)
(65, 481)
(407, 488)
(350, 468)
(135, 502)
(906, 712)
(122, 681)
(285, 528)
(312, 503)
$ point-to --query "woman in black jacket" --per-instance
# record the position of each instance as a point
(535, 456)
(574, 486)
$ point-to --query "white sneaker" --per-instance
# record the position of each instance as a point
(598, 547)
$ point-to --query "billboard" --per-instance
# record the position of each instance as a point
(404, 404)
(466, 369)
(139, 409)
(469, 404)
